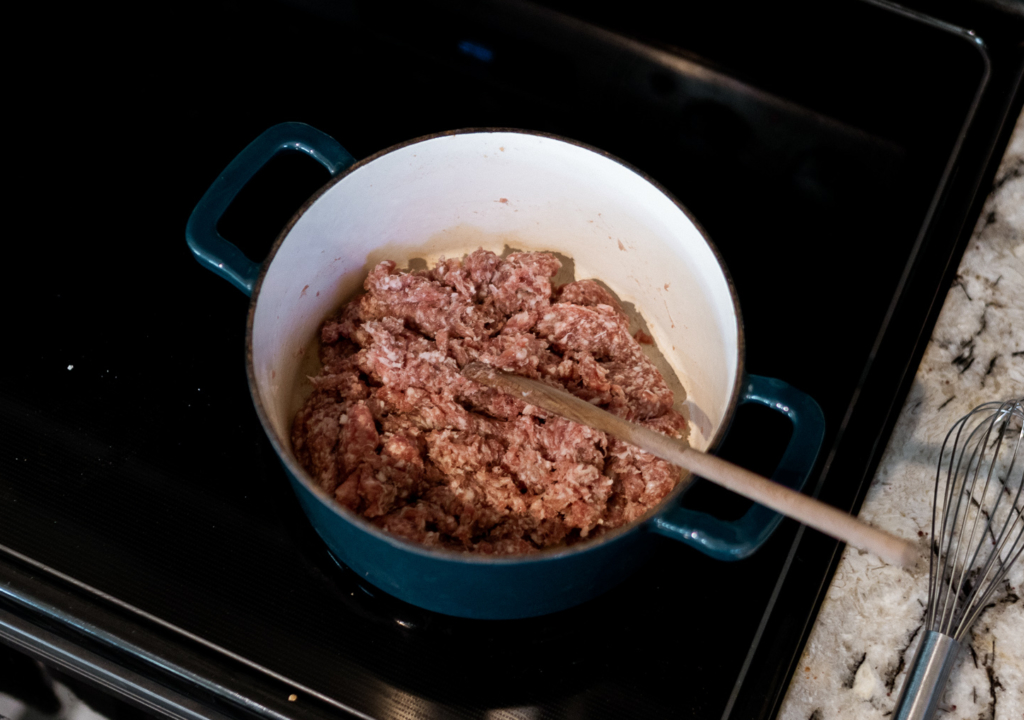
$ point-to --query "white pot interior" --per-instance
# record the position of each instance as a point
(450, 195)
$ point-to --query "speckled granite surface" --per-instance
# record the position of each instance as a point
(868, 627)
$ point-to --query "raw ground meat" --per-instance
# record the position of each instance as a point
(398, 435)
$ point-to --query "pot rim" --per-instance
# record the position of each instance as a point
(283, 446)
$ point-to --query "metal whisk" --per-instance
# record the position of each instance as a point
(977, 535)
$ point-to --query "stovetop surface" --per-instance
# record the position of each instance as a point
(142, 511)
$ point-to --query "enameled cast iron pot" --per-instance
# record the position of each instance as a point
(447, 195)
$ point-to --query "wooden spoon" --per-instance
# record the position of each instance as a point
(750, 485)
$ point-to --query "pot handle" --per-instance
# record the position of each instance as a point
(212, 250)
(737, 539)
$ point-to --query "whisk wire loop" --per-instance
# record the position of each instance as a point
(959, 586)
(938, 550)
(950, 595)
(977, 441)
(1001, 557)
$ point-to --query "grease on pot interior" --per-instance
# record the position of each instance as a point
(398, 435)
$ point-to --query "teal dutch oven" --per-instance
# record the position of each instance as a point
(449, 194)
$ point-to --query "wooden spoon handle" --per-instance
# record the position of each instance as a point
(750, 485)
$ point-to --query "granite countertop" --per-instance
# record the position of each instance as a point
(869, 625)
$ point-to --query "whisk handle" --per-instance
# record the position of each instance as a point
(927, 677)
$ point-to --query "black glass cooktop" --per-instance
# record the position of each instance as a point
(837, 156)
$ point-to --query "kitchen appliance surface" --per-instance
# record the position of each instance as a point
(149, 541)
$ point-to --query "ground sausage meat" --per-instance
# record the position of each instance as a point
(398, 435)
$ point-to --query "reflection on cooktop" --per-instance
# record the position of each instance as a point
(542, 659)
